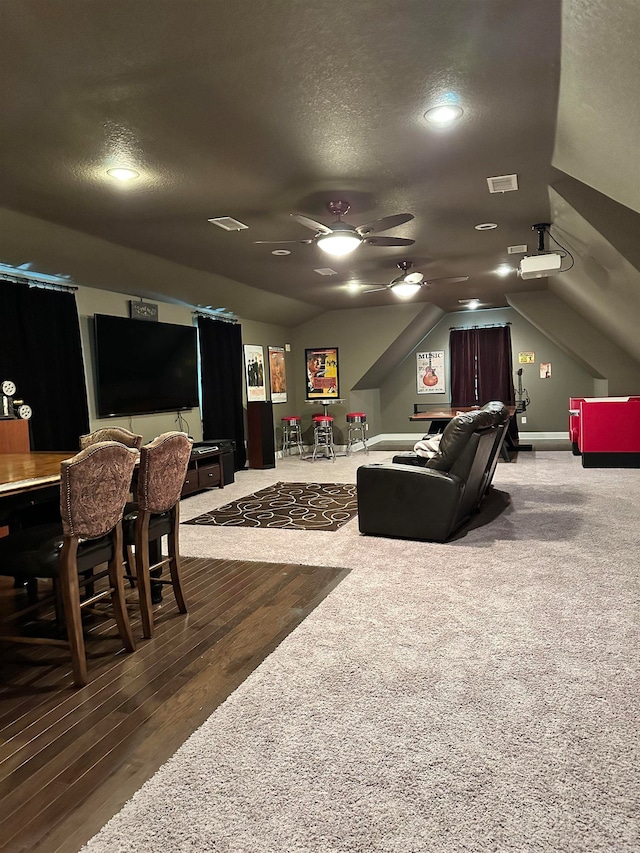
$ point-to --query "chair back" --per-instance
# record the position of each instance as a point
(94, 486)
(124, 436)
(163, 467)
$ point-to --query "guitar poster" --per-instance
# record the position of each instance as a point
(430, 372)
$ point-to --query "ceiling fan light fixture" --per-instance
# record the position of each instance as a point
(338, 244)
(404, 289)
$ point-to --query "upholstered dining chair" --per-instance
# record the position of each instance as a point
(156, 513)
(124, 436)
(94, 486)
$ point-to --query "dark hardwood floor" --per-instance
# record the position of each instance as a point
(69, 759)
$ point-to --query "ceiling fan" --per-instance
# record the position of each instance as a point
(409, 283)
(340, 237)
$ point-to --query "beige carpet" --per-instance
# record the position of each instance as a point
(480, 695)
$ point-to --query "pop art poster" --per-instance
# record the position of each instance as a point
(277, 375)
(322, 373)
(430, 372)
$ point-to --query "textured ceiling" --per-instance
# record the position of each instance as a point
(255, 110)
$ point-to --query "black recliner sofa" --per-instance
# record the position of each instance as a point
(429, 499)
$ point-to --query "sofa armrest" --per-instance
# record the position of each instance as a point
(407, 502)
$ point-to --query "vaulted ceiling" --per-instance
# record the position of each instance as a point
(254, 109)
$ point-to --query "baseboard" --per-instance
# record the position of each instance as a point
(412, 437)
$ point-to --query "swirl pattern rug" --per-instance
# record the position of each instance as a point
(292, 506)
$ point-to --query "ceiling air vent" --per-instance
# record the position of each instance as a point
(228, 223)
(326, 271)
(503, 184)
(517, 250)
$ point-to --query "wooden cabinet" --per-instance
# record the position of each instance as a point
(204, 471)
(14, 436)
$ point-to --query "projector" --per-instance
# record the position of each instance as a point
(539, 266)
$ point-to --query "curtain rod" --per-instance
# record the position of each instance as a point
(484, 326)
(35, 282)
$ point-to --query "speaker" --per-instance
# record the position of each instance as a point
(261, 443)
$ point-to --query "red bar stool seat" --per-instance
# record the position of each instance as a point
(323, 436)
(291, 434)
(356, 430)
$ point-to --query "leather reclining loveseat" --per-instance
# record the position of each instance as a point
(429, 499)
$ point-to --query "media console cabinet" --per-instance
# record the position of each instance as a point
(204, 471)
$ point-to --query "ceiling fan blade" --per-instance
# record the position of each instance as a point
(274, 242)
(450, 279)
(385, 223)
(388, 241)
(377, 289)
(311, 223)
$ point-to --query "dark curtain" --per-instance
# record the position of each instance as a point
(482, 368)
(40, 350)
(221, 367)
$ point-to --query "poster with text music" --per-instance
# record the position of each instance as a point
(430, 372)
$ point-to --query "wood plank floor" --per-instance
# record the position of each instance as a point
(69, 759)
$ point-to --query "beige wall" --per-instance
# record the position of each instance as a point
(549, 397)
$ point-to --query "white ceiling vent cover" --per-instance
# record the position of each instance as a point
(228, 223)
(517, 250)
(503, 184)
(326, 271)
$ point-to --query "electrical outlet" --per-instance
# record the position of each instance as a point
(524, 420)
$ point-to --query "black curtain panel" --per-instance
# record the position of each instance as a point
(221, 368)
(482, 368)
(463, 354)
(41, 351)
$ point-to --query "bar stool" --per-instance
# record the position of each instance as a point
(291, 434)
(356, 428)
(323, 436)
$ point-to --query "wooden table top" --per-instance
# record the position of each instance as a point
(22, 472)
(444, 414)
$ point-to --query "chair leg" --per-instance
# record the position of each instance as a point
(174, 560)
(116, 582)
(143, 578)
(70, 591)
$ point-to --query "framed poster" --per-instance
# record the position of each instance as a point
(545, 370)
(254, 373)
(277, 375)
(430, 372)
(322, 373)
(526, 358)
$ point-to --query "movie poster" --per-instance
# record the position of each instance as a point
(430, 372)
(322, 373)
(277, 375)
(254, 373)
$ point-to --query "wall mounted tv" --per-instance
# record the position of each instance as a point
(143, 367)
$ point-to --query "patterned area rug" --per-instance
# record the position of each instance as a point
(293, 506)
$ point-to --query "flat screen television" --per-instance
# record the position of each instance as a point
(144, 367)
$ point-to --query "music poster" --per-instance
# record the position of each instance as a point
(430, 372)
(277, 375)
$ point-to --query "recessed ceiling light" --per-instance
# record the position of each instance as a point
(353, 287)
(473, 304)
(281, 252)
(486, 226)
(443, 114)
(122, 174)
(504, 269)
